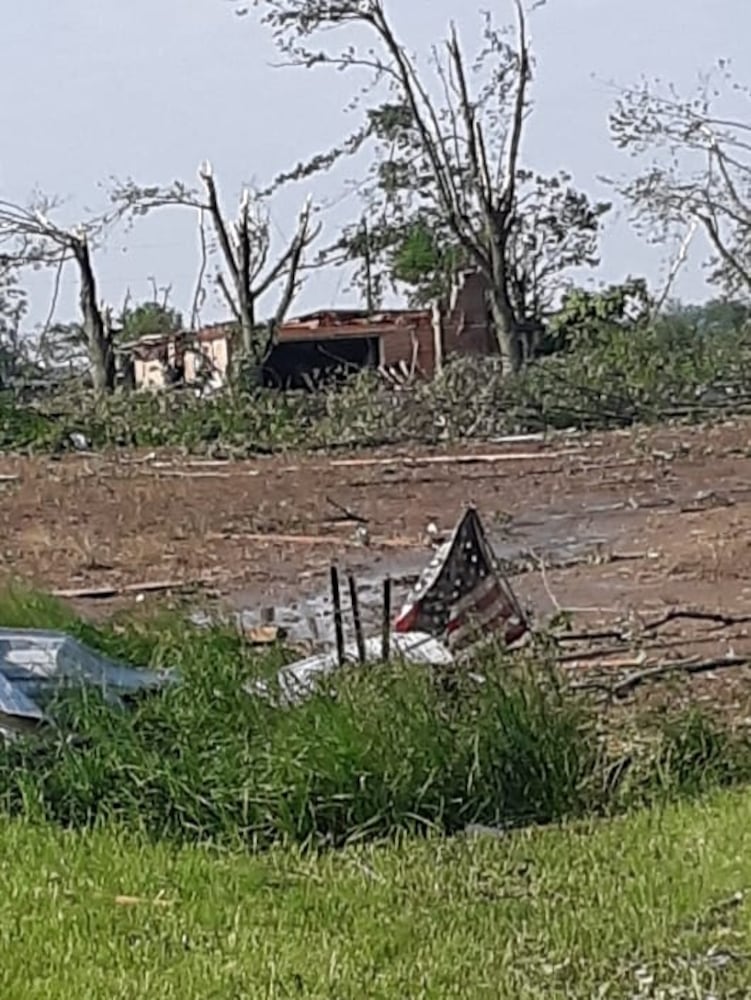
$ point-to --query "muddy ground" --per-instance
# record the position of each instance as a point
(607, 526)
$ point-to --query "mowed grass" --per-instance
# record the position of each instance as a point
(648, 905)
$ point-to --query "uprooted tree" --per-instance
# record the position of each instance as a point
(244, 245)
(29, 238)
(698, 170)
(448, 190)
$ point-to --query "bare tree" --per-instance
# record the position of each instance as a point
(244, 246)
(698, 172)
(469, 144)
(29, 238)
(13, 305)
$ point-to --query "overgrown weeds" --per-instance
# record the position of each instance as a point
(614, 377)
(379, 750)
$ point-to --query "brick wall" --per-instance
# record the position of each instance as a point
(399, 346)
(466, 327)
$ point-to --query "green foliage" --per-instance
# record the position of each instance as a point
(585, 316)
(149, 318)
(711, 318)
(423, 260)
(379, 751)
(615, 374)
(652, 904)
(373, 752)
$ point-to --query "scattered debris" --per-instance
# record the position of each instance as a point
(518, 456)
(295, 682)
(473, 830)
(36, 663)
(80, 442)
(263, 635)
(148, 587)
(139, 900)
(462, 597)
(362, 535)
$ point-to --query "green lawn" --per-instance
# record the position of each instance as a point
(592, 910)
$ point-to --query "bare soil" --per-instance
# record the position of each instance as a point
(609, 526)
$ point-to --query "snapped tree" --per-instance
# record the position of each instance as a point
(698, 170)
(29, 238)
(13, 305)
(244, 245)
(448, 189)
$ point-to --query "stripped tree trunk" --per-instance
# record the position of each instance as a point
(95, 323)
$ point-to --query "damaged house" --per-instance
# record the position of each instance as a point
(399, 343)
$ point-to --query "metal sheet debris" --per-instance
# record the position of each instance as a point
(36, 663)
(298, 680)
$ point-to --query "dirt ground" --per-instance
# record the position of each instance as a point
(608, 526)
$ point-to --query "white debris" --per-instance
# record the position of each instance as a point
(79, 441)
(298, 680)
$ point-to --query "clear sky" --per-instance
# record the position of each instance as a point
(149, 88)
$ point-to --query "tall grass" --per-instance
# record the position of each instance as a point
(384, 749)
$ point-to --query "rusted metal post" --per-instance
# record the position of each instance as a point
(336, 599)
(386, 629)
(354, 601)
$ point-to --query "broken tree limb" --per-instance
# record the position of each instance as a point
(676, 614)
(594, 636)
(680, 666)
(658, 672)
(347, 514)
(605, 652)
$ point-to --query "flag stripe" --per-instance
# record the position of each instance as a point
(461, 592)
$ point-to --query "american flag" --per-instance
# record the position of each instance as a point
(462, 595)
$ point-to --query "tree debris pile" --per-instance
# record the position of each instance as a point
(612, 377)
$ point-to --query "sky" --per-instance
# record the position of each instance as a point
(150, 88)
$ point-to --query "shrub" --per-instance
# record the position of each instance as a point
(614, 377)
(373, 752)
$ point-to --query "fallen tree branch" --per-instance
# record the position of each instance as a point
(675, 614)
(680, 666)
(660, 671)
(347, 514)
(625, 645)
